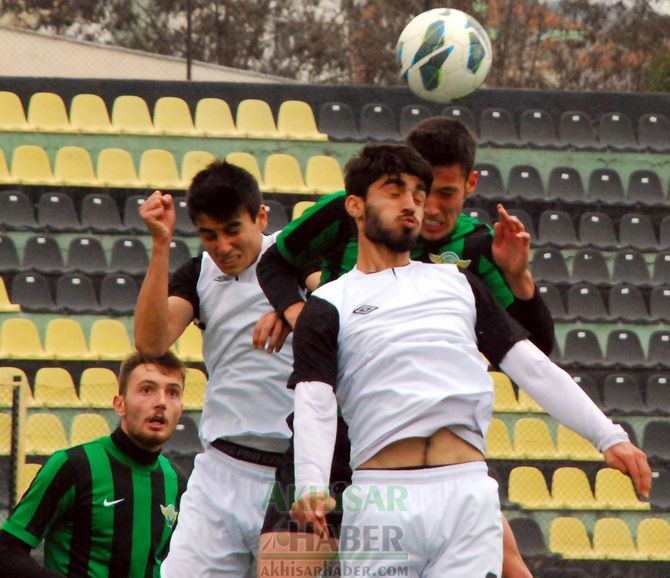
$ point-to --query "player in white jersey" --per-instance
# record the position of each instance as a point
(397, 343)
(243, 424)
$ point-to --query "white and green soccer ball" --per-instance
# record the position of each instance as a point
(444, 54)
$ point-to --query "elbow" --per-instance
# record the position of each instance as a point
(149, 347)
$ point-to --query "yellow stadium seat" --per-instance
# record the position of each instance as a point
(5, 434)
(612, 540)
(130, 114)
(504, 400)
(498, 444)
(254, 120)
(64, 339)
(87, 427)
(31, 166)
(5, 176)
(615, 491)
(189, 345)
(568, 537)
(172, 116)
(570, 445)
(192, 163)
(46, 113)
(88, 114)
(283, 175)
(26, 475)
(116, 168)
(300, 207)
(324, 175)
(570, 489)
(12, 116)
(213, 118)
(528, 488)
(19, 339)
(6, 306)
(54, 388)
(73, 166)
(528, 404)
(532, 439)
(45, 434)
(158, 169)
(295, 119)
(97, 387)
(653, 539)
(249, 163)
(8, 377)
(109, 339)
(194, 390)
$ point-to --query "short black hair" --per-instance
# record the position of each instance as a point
(444, 141)
(375, 161)
(167, 361)
(222, 190)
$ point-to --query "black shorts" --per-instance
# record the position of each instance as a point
(277, 515)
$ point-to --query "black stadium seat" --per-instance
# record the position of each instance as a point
(586, 303)
(378, 122)
(9, 256)
(605, 185)
(75, 294)
(464, 114)
(536, 128)
(576, 129)
(565, 184)
(16, 211)
(589, 265)
(496, 127)
(87, 255)
(337, 120)
(55, 211)
(42, 253)
(100, 214)
(653, 132)
(615, 130)
(525, 183)
(411, 115)
(118, 294)
(32, 291)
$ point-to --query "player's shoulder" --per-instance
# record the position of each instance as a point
(467, 225)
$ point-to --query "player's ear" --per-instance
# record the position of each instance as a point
(262, 218)
(355, 206)
(471, 182)
(119, 405)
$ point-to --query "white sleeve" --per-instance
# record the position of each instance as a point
(560, 396)
(315, 429)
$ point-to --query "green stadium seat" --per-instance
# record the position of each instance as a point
(46, 113)
(88, 114)
(173, 117)
(295, 119)
(213, 118)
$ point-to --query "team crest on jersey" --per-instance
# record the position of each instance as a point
(170, 515)
(364, 309)
(449, 257)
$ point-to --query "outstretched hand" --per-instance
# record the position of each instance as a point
(511, 248)
(159, 215)
(632, 461)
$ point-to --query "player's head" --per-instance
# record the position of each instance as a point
(224, 203)
(448, 145)
(149, 401)
(386, 189)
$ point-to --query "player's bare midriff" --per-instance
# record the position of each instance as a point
(443, 448)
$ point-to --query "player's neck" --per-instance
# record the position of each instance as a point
(375, 257)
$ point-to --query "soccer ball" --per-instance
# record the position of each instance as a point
(444, 54)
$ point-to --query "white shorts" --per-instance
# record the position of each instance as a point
(220, 519)
(433, 522)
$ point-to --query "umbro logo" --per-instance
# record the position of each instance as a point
(364, 309)
(108, 503)
(223, 278)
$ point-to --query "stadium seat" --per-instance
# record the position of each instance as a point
(568, 537)
(9, 256)
(158, 170)
(254, 119)
(658, 393)
(536, 128)
(129, 256)
(555, 228)
(586, 303)
(637, 231)
(180, 253)
(626, 303)
(130, 115)
(87, 427)
(524, 182)
(295, 120)
(478, 213)
(496, 127)
(12, 116)
(582, 348)
(570, 445)
(589, 385)
(653, 539)
(100, 214)
(498, 444)
(614, 491)
(249, 163)
(116, 168)
(664, 232)
(532, 439)
(283, 174)
(411, 115)
(5, 176)
(622, 395)
(655, 440)
(645, 187)
(277, 218)
(26, 475)
(16, 211)
(660, 489)
(571, 490)
(552, 297)
(73, 166)
(624, 348)
(189, 344)
(10, 376)
(615, 130)
(6, 305)
(45, 434)
(528, 404)
(173, 117)
(653, 132)
(528, 489)
(612, 540)
(55, 212)
(64, 339)
(505, 398)
(605, 185)
(378, 122)
(5, 434)
(337, 120)
(32, 292)
(549, 265)
(194, 389)
(31, 166)
(118, 294)
(88, 114)
(46, 113)
(323, 175)
(300, 207)
(185, 440)
(43, 253)
(54, 387)
(192, 163)
(596, 229)
(97, 387)
(109, 339)
(662, 268)
(529, 537)
(86, 254)
(630, 267)
(526, 221)
(183, 224)
(75, 293)
(575, 129)
(131, 214)
(490, 183)
(565, 184)
(589, 265)
(213, 118)
(659, 348)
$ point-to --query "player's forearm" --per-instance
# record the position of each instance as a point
(17, 561)
(535, 317)
(521, 284)
(279, 280)
(559, 395)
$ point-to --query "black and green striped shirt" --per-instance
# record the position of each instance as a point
(104, 509)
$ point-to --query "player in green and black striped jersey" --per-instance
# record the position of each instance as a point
(106, 508)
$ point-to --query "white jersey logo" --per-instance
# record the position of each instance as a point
(365, 309)
(107, 503)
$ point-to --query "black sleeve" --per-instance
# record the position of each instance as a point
(496, 331)
(279, 280)
(17, 561)
(184, 283)
(535, 316)
(315, 344)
